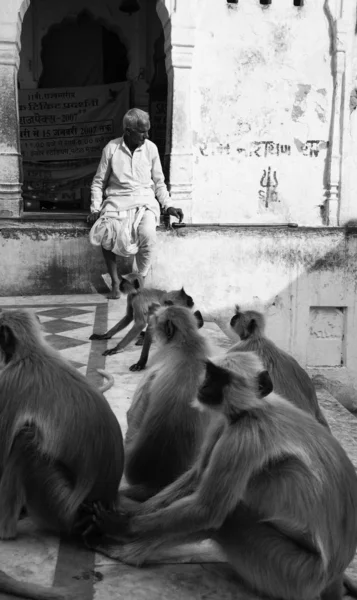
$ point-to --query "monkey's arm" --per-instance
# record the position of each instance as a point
(139, 308)
(234, 459)
(144, 352)
(124, 322)
(183, 486)
(222, 486)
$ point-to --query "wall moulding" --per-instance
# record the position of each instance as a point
(178, 21)
(10, 53)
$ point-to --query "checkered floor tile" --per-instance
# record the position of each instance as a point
(64, 332)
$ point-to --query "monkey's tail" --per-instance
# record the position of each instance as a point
(350, 585)
(109, 378)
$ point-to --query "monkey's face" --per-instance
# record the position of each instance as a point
(211, 392)
(130, 283)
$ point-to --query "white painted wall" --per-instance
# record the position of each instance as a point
(260, 74)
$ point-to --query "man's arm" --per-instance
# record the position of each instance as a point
(158, 178)
(100, 179)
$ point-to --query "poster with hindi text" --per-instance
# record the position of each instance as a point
(63, 132)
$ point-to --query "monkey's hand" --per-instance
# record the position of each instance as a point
(100, 336)
(115, 350)
(115, 523)
(175, 212)
(139, 366)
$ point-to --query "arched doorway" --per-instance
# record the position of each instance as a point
(69, 109)
(158, 98)
(82, 52)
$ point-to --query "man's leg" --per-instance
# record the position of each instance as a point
(146, 241)
(111, 262)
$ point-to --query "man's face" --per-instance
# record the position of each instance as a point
(137, 136)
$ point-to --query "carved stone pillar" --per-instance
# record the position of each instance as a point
(348, 187)
(178, 22)
(10, 155)
(334, 173)
(341, 15)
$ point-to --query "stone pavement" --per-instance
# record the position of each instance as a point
(197, 573)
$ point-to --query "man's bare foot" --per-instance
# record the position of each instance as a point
(115, 293)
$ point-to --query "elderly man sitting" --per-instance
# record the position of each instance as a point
(123, 205)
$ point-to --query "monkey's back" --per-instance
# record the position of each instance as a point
(289, 378)
(170, 434)
(307, 485)
(74, 421)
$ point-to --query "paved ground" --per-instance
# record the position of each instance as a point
(68, 321)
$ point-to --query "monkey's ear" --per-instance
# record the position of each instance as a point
(251, 327)
(7, 342)
(170, 329)
(168, 303)
(200, 321)
(265, 384)
(189, 301)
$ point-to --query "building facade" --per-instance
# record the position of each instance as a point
(253, 109)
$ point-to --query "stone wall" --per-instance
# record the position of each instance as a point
(303, 278)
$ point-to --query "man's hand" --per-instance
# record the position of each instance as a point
(175, 212)
(93, 217)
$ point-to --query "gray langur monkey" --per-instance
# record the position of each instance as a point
(60, 443)
(289, 379)
(273, 489)
(164, 431)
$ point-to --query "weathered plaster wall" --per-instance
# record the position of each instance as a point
(304, 279)
(262, 94)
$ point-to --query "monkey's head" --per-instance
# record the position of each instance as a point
(179, 298)
(250, 323)
(175, 324)
(131, 283)
(232, 392)
(20, 331)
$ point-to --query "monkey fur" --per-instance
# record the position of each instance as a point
(290, 380)
(60, 442)
(139, 300)
(67, 425)
(272, 487)
(164, 432)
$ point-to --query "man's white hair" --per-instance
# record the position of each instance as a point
(135, 117)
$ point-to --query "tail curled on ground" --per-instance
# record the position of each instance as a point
(109, 378)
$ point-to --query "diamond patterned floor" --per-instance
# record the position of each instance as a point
(61, 329)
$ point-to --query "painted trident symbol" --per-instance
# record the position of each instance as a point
(270, 182)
